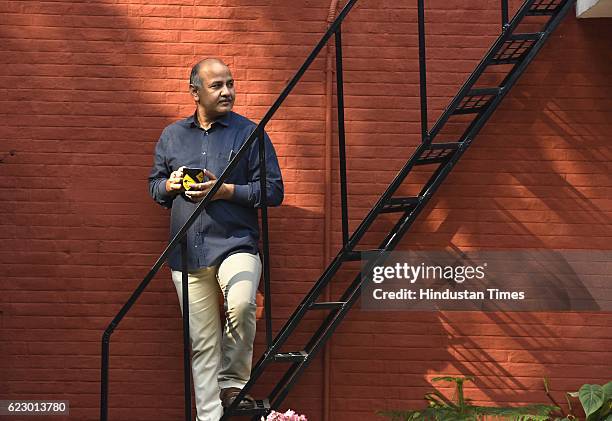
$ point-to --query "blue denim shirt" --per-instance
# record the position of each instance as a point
(225, 226)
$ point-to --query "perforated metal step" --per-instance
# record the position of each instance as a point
(437, 153)
(476, 100)
(515, 48)
(545, 7)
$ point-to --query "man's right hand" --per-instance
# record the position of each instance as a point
(175, 182)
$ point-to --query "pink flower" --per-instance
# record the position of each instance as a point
(287, 416)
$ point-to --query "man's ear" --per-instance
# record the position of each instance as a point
(194, 92)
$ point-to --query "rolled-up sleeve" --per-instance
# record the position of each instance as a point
(160, 172)
(250, 194)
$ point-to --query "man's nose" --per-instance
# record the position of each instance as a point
(225, 91)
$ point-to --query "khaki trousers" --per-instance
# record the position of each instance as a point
(221, 360)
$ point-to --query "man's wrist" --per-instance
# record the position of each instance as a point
(228, 191)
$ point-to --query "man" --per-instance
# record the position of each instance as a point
(222, 243)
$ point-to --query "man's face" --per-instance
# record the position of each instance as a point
(217, 93)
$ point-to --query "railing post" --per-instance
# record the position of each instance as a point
(341, 134)
(504, 13)
(104, 377)
(263, 187)
(422, 71)
(186, 336)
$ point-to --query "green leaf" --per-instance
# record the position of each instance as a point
(591, 397)
(447, 379)
(436, 398)
(452, 379)
(606, 409)
(607, 388)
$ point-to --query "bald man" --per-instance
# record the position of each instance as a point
(223, 242)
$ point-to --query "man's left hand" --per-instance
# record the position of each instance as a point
(197, 191)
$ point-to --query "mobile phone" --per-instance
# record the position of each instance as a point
(192, 176)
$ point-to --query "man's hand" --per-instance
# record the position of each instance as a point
(198, 191)
(175, 182)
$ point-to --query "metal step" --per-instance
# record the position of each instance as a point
(262, 408)
(437, 153)
(545, 7)
(327, 305)
(400, 204)
(294, 356)
(515, 48)
(476, 100)
(354, 256)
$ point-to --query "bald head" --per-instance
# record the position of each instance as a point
(212, 89)
(203, 66)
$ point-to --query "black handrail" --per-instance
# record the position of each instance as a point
(256, 134)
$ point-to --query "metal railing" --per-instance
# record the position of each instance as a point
(180, 238)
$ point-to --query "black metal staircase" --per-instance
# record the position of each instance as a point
(472, 101)
(517, 49)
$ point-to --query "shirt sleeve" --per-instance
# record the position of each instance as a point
(160, 172)
(250, 194)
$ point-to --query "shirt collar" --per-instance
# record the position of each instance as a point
(223, 120)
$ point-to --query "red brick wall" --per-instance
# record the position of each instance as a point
(88, 87)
